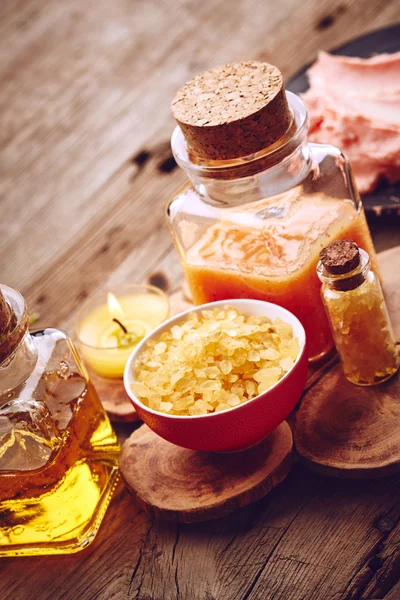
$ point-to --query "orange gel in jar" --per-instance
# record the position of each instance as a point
(276, 263)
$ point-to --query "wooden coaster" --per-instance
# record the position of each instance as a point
(349, 431)
(183, 485)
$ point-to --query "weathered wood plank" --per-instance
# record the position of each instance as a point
(131, 239)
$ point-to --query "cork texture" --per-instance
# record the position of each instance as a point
(340, 257)
(232, 111)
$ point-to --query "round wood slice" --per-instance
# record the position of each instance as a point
(183, 485)
(349, 431)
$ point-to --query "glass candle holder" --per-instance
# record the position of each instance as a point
(112, 322)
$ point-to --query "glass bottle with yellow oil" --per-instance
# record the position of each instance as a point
(58, 452)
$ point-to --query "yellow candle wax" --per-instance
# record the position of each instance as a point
(110, 331)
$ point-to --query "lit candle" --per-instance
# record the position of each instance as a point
(109, 325)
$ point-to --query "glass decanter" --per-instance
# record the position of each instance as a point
(58, 452)
(253, 226)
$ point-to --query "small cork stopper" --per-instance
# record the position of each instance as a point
(340, 257)
(232, 111)
(5, 314)
(11, 331)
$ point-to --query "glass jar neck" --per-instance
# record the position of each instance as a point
(346, 281)
(271, 171)
(17, 365)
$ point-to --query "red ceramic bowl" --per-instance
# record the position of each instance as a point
(241, 426)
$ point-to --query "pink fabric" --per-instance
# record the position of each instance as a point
(354, 103)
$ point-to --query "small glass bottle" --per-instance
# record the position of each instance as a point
(58, 452)
(357, 312)
(262, 201)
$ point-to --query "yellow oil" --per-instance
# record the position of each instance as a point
(58, 508)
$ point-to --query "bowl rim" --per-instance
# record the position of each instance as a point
(128, 377)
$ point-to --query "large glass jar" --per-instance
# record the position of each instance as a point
(58, 452)
(253, 227)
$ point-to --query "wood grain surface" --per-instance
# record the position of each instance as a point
(85, 173)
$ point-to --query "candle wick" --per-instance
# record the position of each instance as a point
(124, 329)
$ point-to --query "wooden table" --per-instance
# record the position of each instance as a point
(85, 172)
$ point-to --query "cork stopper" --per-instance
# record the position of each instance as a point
(12, 329)
(232, 111)
(5, 314)
(340, 257)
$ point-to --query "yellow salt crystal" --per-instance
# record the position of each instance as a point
(200, 373)
(253, 356)
(266, 385)
(183, 403)
(238, 388)
(153, 364)
(268, 373)
(213, 372)
(232, 332)
(176, 376)
(233, 400)
(200, 408)
(283, 327)
(286, 363)
(222, 406)
(225, 366)
(250, 374)
(219, 396)
(231, 314)
(210, 385)
(269, 354)
(294, 348)
(160, 348)
(251, 388)
(140, 389)
(153, 403)
(177, 332)
(202, 404)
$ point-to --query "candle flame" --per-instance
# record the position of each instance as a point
(114, 307)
